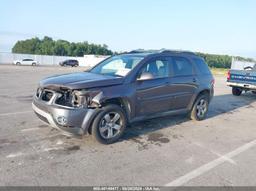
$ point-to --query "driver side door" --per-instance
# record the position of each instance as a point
(153, 95)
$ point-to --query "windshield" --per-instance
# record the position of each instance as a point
(117, 65)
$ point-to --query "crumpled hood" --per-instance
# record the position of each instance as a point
(79, 80)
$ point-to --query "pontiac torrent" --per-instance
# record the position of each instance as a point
(123, 89)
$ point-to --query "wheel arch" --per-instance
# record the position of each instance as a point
(122, 102)
(201, 92)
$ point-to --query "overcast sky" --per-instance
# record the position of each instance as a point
(219, 26)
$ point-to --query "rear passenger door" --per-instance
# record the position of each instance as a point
(183, 82)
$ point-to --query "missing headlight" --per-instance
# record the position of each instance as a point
(83, 98)
(79, 99)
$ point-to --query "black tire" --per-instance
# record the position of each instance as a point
(202, 104)
(100, 127)
(254, 92)
(18, 63)
(33, 64)
(236, 91)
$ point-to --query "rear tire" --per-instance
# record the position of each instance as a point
(236, 91)
(34, 64)
(18, 63)
(109, 125)
(254, 92)
(200, 108)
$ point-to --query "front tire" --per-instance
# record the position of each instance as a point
(236, 91)
(109, 125)
(200, 108)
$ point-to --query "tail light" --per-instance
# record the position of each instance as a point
(228, 76)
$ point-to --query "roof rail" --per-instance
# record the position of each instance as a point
(178, 51)
(160, 51)
(143, 51)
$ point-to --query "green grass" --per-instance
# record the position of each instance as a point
(219, 71)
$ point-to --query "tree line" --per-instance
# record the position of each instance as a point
(221, 61)
(48, 46)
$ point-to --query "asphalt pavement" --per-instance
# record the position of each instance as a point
(173, 151)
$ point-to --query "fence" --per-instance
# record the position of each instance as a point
(86, 60)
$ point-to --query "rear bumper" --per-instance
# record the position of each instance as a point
(242, 85)
(77, 120)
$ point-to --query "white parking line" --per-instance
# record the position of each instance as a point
(14, 113)
(213, 152)
(13, 155)
(207, 167)
(53, 149)
(30, 129)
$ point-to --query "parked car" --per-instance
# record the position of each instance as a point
(243, 79)
(73, 63)
(123, 89)
(26, 61)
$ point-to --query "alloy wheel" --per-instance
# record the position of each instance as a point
(110, 125)
(201, 108)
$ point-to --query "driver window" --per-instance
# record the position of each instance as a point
(159, 68)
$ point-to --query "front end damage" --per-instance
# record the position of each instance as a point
(71, 111)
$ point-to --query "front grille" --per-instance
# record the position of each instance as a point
(42, 118)
(47, 95)
(38, 92)
(65, 99)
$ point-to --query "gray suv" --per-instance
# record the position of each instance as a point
(123, 89)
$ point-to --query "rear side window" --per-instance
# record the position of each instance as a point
(182, 67)
(202, 66)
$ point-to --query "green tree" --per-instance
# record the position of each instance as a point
(48, 46)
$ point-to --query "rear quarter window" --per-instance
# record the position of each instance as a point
(182, 67)
(202, 66)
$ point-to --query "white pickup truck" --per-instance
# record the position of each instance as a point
(27, 61)
(242, 77)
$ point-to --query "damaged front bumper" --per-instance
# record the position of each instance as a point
(69, 120)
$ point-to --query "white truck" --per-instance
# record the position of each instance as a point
(242, 77)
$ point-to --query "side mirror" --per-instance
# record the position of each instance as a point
(145, 76)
